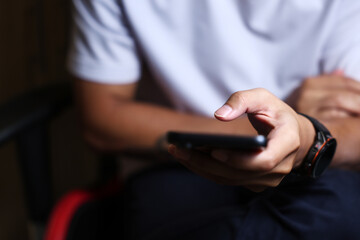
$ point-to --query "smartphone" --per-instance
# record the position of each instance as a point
(211, 141)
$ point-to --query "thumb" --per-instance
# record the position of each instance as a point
(255, 101)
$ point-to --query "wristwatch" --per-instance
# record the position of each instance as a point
(321, 152)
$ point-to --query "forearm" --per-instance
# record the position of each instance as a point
(139, 125)
(347, 133)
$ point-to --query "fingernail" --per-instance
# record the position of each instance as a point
(220, 155)
(172, 149)
(183, 155)
(338, 72)
(224, 111)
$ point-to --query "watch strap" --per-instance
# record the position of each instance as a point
(317, 125)
(317, 159)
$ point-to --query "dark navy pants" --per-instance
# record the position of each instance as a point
(173, 203)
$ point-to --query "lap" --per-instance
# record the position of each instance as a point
(172, 203)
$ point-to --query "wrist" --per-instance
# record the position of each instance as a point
(307, 136)
(321, 152)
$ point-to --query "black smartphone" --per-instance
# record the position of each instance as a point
(230, 142)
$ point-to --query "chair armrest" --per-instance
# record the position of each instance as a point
(35, 107)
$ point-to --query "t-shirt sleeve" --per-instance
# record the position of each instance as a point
(102, 48)
(342, 50)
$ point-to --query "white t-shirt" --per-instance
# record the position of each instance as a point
(201, 51)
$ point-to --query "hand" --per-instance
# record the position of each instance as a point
(289, 138)
(327, 96)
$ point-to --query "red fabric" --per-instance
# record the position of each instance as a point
(65, 209)
(63, 213)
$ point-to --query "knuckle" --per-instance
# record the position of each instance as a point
(264, 94)
(285, 170)
(263, 91)
(308, 82)
(236, 94)
(268, 164)
(237, 98)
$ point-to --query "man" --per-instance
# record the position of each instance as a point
(200, 53)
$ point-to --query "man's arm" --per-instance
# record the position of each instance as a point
(334, 99)
(347, 132)
(112, 120)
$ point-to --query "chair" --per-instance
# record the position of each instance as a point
(26, 119)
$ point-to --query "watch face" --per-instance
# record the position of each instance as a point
(324, 157)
